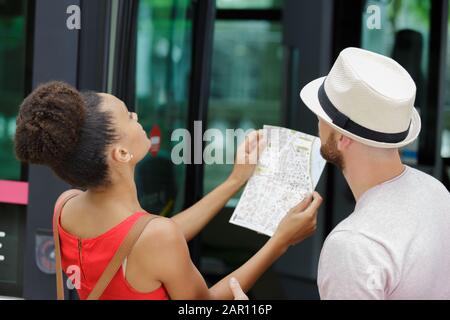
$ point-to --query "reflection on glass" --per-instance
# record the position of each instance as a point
(248, 4)
(246, 83)
(445, 151)
(404, 34)
(12, 71)
(162, 84)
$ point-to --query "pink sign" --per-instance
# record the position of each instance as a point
(14, 192)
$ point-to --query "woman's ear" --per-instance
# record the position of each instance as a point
(121, 155)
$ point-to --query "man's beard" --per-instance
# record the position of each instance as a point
(330, 152)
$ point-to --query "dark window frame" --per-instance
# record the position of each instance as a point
(250, 14)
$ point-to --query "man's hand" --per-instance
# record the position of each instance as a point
(237, 290)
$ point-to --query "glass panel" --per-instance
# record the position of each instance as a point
(248, 4)
(12, 89)
(162, 89)
(12, 72)
(404, 35)
(245, 94)
(246, 83)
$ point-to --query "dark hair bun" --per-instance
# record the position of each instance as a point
(48, 124)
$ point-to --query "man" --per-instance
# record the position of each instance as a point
(396, 243)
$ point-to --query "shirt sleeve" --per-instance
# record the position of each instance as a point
(353, 266)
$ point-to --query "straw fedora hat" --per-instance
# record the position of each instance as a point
(367, 97)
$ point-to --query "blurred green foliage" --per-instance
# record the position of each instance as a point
(12, 73)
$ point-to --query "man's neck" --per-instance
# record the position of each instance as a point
(364, 175)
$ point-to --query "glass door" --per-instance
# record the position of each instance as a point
(13, 191)
(246, 93)
(163, 66)
(404, 35)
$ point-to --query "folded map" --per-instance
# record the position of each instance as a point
(288, 169)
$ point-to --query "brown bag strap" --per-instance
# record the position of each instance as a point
(119, 257)
(113, 266)
(58, 265)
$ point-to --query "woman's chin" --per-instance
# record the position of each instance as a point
(148, 141)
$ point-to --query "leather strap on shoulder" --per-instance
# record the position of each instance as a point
(58, 266)
(120, 255)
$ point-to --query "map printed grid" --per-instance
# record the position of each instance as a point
(282, 179)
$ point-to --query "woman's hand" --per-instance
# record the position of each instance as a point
(247, 156)
(194, 219)
(299, 223)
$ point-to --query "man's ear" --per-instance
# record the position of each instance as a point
(121, 154)
(343, 142)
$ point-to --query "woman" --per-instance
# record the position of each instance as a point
(92, 142)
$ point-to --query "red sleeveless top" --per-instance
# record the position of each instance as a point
(89, 257)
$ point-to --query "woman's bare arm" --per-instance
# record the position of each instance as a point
(183, 280)
(192, 220)
(173, 267)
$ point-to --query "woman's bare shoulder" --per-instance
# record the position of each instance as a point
(161, 229)
(161, 235)
(68, 193)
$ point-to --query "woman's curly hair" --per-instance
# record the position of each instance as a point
(66, 130)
